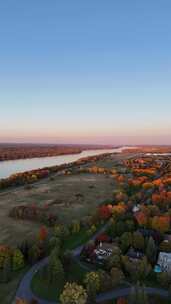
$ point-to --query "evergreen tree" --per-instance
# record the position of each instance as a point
(34, 254)
(55, 271)
(92, 282)
(55, 242)
(151, 250)
(6, 272)
(143, 269)
(138, 241)
(17, 260)
(138, 295)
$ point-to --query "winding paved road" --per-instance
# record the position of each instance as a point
(123, 292)
(24, 291)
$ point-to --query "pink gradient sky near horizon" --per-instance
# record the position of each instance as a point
(89, 139)
(127, 122)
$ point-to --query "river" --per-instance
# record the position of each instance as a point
(10, 167)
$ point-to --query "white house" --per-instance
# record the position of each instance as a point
(164, 261)
(136, 208)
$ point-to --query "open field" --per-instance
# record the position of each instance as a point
(69, 197)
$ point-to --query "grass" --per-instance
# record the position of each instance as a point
(61, 196)
(75, 240)
(48, 191)
(7, 291)
(51, 292)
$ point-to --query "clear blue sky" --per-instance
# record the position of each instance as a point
(85, 71)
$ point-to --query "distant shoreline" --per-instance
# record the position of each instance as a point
(19, 167)
(21, 178)
(9, 152)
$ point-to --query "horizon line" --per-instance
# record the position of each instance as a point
(84, 144)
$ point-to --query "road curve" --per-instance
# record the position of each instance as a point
(123, 292)
(24, 291)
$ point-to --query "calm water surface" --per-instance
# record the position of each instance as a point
(15, 166)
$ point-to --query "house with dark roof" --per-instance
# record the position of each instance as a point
(134, 254)
(147, 233)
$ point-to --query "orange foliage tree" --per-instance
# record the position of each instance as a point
(156, 198)
(43, 233)
(121, 301)
(104, 212)
(161, 223)
(119, 209)
(141, 218)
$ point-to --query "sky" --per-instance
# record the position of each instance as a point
(85, 71)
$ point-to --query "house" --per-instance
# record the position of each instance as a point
(164, 261)
(134, 255)
(98, 253)
(167, 238)
(136, 208)
(104, 250)
(147, 233)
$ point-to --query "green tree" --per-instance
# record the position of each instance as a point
(143, 269)
(55, 271)
(164, 279)
(34, 254)
(54, 242)
(130, 268)
(17, 260)
(117, 276)
(105, 280)
(130, 226)
(73, 294)
(138, 241)
(7, 270)
(113, 261)
(61, 232)
(138, 295)
(92, 283)
(75, 227)
(126, 241)
(151, 250)
(120, 228)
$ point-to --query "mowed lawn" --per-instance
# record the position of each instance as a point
(7, 291)
(69, 197)
(52, 292)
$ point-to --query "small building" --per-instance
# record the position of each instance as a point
(136, 208)
(167, 238)
(164, 261)
(147, 233)
(104, 251)
(135, 255)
